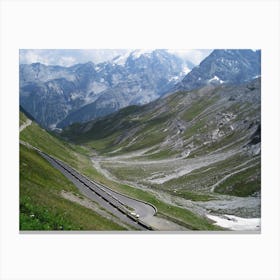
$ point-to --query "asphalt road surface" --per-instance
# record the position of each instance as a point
(118, 204)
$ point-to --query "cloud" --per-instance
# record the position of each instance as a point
(193, 55)
(67, 61)
(48, 57)
(30, 56)
(68, 57)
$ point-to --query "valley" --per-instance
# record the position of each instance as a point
(214, 171)
(187, 159)
(44, 192)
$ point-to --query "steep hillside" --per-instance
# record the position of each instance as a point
(48, 200)
(199, 149)
(183, 124)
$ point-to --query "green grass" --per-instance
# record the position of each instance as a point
(104, 145)
(117, 130)
(162, 154)
(103, 128)
(198, 107)
(196, 129)
(41, 205)
(242, 184)
(74, 155)
(125, 172)
(22, 118)
(70, 154)
(200, 180)
(148, 140)
(104, 136)
(194, 196)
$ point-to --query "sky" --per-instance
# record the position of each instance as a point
(68, 57)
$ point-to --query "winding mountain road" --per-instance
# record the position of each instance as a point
(120, 205)
(129, 210)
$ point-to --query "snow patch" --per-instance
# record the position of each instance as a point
(52, 126)
(257, 76)
(236, 223)
(186, 70)
(75, 95)
(215, 78)
(97, 87)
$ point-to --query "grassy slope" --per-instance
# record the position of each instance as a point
(41, 204)
(38, 137)
(72, 155)
(22, 118)
(39, 192)
(152, 125)
(105, 135)
(194, 109)
(244, 183)
(203, 178)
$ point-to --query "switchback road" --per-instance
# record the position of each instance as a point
(124, 207)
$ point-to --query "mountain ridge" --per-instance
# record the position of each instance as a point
(58, 96)
(57, 91)
(223, 66)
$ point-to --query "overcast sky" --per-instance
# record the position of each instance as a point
(68, 57)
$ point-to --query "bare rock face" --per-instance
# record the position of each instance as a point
(59, 96)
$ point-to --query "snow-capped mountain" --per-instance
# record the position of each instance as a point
(57, 95)
(224, 66)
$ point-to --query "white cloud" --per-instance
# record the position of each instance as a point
(30, 56)
(48, 57)
(195, 56)
(67, 61)
(68, 57)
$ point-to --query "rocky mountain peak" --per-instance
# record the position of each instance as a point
(85, 91)
(224, 66)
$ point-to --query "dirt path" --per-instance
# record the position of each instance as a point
(229, 175)
(25, 125)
